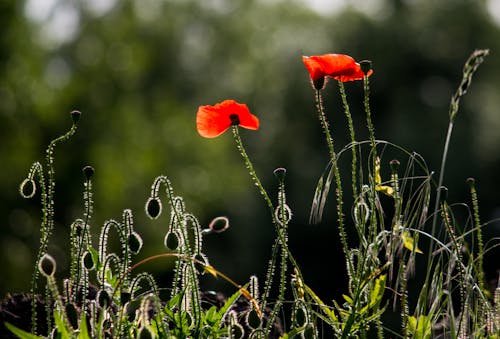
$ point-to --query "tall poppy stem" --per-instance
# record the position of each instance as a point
(336, 172)
(371, 130)
(353, 139)
(263, 192)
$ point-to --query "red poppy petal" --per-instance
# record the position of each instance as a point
(210, 122)
(338, 66)
(314, 67)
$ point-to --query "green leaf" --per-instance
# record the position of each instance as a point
(229, 302)
(420, 327)
(348, 299)
(61, 324)
(84, 332)
(21, 333)
(327, 310)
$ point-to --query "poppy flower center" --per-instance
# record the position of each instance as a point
(235, 119)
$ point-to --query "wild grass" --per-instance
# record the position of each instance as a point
(391, 214)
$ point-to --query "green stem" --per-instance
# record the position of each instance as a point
(353, 139)
(256, 180)
(336, 173)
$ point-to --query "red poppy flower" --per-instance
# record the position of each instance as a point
(212, 121)
(338, 66)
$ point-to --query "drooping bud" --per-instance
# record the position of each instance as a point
(252, 319)
(201, 261)
(444, 193)
(471, 182)
(280, 173)
(88, 261)
(219, 224)
(47, 265)
(366, 66)
(27, 188)
(72, 314)
(103, 298)
(134, 242)
(171, 241)
(125, 297)
(75, 116)
(394, 165)
(153, 208)
(88, 172)
(145, 333)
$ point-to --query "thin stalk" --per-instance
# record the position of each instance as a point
(353, 139)
(336, 172)
(263, 192)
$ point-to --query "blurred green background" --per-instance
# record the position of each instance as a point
(138, 70)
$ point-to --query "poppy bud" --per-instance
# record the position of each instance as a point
(253, 320)
(171, 241)
(145, 333)
(394, 165)
(134, 242)
(47, 265)
(103, 298)
(201, 261)
(153, 208)
(366, 66)
(27, 188)
(219, 224)
(125, 297)
(471, 182)
(88, 261)
(280, 173)
(444, 193)
(72, 314)
(88, 171)
(75, 115)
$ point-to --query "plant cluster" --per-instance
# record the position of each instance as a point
(389, 215)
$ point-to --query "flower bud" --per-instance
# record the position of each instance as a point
(72, 314)
(366, 66)
(280, 173)
(47, 265)
(75, 116)
(444, 193)
(153, 208)
(27, 188)
(171, 241)
(103, 298)
(471, 182)
(219, 224)
(88, 261)
(88, 171)
(394, 165)
(134, 242)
